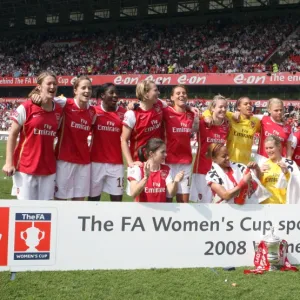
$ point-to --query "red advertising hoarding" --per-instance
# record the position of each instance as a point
(284, 78)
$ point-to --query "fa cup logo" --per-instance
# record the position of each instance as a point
(32, 237)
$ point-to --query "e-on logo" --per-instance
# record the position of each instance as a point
(32, 236)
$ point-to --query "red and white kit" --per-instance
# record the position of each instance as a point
(34, 157)
(107, 170)
(145, 124)
(200, 191)
(72, 150)
(296, 146)
(155, 189)
(177, 132)
(269, 127)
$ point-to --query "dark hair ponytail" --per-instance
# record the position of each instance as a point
(141, 153)
(151, 146)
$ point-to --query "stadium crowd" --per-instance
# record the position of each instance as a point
(218, 46)
(6, 110)
(290, 49)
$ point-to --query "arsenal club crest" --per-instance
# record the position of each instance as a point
(163, 174)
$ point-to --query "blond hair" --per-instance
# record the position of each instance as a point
(274, 101)
(143, 88)
(216, 98)
(275, 139)
(40, 80)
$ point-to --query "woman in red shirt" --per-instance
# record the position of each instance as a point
(151, 181)
(32, 161)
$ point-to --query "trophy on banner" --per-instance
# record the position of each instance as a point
(272, 243)
(32, 238)
(270, 253)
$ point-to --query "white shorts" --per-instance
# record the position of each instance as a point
(184, 184)
(33, 187)
(200, 191)
(72, 180)
(108, 178)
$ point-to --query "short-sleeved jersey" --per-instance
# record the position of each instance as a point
(240, 138)
(34, 153)
(207, 136)
(106, 138)
(145, 124)
(72, 145)
(177, 132)
(269, 127)
(156, 187)
(269, 180)
(296, 155)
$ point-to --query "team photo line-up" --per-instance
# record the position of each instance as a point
(49, 156)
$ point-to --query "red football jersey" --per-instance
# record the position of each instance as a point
(155, 188)
(106, 139)
(145, 124)
(269, 127)
(34, 153)
(178, 129)
(72, 145)
(207, 136)
(296, 155)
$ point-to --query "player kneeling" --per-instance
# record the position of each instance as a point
(151, 181)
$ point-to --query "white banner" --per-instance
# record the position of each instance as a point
(59, 235)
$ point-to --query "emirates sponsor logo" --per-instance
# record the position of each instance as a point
(46, 131)
(176, 129)
(155, 125)
(155, 189)
(83, 125)
(215, 140)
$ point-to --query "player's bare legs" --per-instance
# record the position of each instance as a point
(182, 198)
(116, 198)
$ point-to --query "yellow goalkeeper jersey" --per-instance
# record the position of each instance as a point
(269, 180)
(240, 138)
